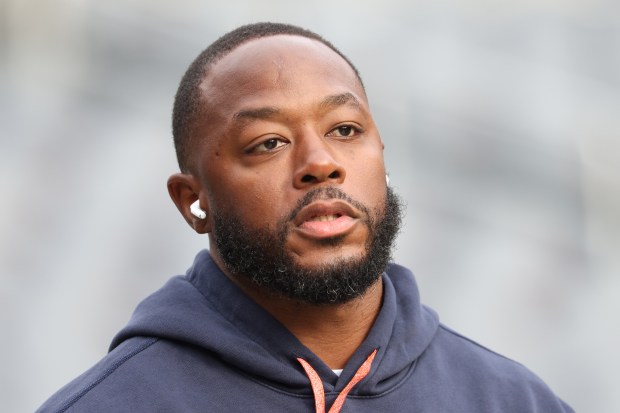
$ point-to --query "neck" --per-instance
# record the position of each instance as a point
(332, 332)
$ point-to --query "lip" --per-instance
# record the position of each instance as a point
(347, 218)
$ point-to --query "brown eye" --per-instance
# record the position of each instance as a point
(345, 131)
(269, 145)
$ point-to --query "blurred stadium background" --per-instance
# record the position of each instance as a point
(502, 128)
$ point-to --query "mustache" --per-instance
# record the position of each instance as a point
(326, 193)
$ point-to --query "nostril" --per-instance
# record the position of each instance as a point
(319, 177)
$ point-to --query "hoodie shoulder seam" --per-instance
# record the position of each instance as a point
(478, 345)
(143, 346)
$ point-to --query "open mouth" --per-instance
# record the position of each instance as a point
(326, 218)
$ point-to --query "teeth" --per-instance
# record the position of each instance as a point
(324, 218)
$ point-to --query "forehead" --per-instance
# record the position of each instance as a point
(277, 65)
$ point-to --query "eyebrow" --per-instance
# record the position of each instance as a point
(269, 112)
(341, 99)
(258, 113)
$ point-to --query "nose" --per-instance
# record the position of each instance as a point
(316, 164)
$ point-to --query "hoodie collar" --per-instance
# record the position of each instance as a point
(206, 309)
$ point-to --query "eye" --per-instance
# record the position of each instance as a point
(268, 145)
(345, 131)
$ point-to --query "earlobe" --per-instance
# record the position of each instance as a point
(188, 195)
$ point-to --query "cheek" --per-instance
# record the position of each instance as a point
(251, 197)
(367, 180)
(367, 168)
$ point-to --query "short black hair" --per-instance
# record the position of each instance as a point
(189, 99)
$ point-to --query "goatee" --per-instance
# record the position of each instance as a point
(260, 254)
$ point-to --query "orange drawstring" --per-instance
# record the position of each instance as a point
(317, 384)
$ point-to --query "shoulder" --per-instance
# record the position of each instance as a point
(497, 381)
(471, 352)
(107, 369)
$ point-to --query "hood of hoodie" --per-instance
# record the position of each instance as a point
(205, 309)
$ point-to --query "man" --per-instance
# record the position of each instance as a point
(295, 307)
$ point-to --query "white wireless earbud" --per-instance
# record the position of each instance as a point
(194, 208)
(387, 179)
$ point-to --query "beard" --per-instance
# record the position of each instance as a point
(260, 255)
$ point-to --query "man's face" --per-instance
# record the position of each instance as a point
(286, 116)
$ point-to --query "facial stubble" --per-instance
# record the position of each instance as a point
(260, 255)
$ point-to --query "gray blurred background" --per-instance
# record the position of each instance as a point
(502, 128)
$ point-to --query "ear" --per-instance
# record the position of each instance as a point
(184, 189)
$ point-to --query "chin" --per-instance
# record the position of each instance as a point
(328, 256)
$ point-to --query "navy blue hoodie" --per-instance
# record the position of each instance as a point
(200, 345)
